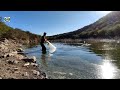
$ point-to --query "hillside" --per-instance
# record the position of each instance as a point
(14, 62)
(106, 27)
(21, 36)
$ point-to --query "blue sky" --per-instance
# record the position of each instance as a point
(52, 22)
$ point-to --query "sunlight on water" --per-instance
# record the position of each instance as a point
(107, 70)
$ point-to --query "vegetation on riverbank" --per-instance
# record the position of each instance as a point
(19, 35)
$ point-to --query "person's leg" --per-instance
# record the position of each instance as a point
(43, 48)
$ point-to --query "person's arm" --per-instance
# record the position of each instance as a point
(45, 39)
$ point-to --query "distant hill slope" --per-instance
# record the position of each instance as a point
(19, 35)
(106, 27)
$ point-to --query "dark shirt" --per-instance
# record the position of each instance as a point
(42, 39)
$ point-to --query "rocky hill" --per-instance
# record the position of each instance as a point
(106, 27)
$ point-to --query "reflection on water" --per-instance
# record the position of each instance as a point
(107, 70)
(96, 61)
(43, 58)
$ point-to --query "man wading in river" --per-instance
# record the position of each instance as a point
(43, 40)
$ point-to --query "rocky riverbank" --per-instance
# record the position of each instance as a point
(14, 64)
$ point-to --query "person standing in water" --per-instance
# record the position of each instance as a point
(43, 40)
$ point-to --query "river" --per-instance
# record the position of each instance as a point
(94, 61)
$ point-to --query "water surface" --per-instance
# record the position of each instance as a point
(95, 61)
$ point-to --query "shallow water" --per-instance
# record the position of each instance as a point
(79, 62)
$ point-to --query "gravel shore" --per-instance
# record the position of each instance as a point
(14, 64)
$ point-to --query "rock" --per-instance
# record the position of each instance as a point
(16, 62)
(33, 59)
(5, 40)
(11, 78)
(20, 50)
(34, 64)
(34, 77)
(12, 71)
(10, 61)
(42, 77)
(35, 72)
(3, 47)
(15, 52)
(15, 69)
(43, 74)
(6, 55)
(1, 56)
(22, 74)
(20, 57)
(8, 68)
(12, 53)
(17, 72)
(26, 74)
(71, 73)
(26, 64)
(21, 53)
